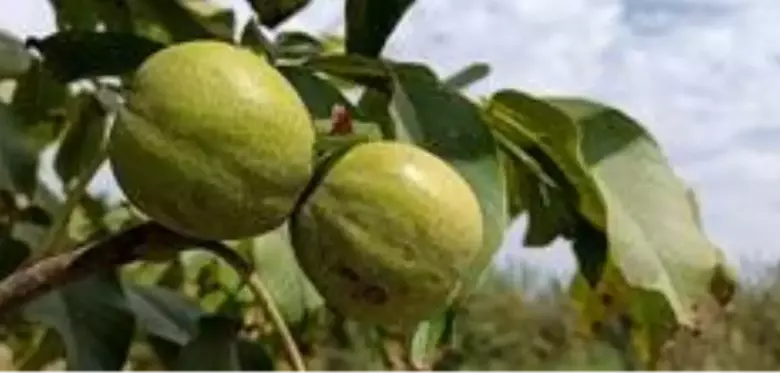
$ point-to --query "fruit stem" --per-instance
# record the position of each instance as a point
(263, 296)
(269, 307)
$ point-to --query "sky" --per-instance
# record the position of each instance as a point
(702, 75)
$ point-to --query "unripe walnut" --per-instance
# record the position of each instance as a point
(213, 142)
(388, 233)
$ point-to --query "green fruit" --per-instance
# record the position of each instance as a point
(388, 233)
(213, 142)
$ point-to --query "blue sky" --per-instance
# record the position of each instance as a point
(702, 75)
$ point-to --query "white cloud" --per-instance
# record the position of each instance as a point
(26, 18)
(703, 75)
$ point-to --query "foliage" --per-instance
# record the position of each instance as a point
(581, 170)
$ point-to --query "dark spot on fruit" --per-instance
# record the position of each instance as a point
(348, 274)
(408, 254)
(374, 295)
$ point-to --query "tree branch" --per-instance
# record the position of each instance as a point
(129, 245)
(48, 273)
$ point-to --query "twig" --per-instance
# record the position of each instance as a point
(127, 246)
(261, 293)
(57, 270)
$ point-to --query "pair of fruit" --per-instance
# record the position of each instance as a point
(213, 142)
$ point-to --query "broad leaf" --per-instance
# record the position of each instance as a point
(370, 24)
(321, 97)
(88, 15)
(164, 313)
(91, 318)
(218, 19)
(652, 230)
(274, 261)
(14, 57)
(165, 21)
(546, 193)
(528, 121)
(215, 347)
(273, 12)
(83, 139)
(18, 155)
(591, 249)
(42, 351)
(12, 253)
(468, 76)
(430, 336)
(73, 55)
(363, 70)
(318, 95)
(297, 45)
(38, 103)
(254, 355)
(516, 185)
(35, 215)
(635, 321)
(334, 44)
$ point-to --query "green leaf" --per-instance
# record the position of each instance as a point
(15, 60)
(516, 185)
(213, 348)
(429, 336)
(164, 313)
(219, 20)
(318, 95)
(652, 230)
(88, 15)
(83, 139)
(552, 206)
(549, 216)
(18, 156)
(334, 44)
(468, 76)
(591, 249)
(254, 356)
(274, 261)
(297, 45)
(535, 185)
(528, 121)
(363, 70)
(12, 254)
(35, 215)
(255, 39)
(38, 102)
(165, 21)
(216, 347)
(45, 350)
(274, 12)
(91, 318)
(73, 55)
(447, 124)
(370, 24)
